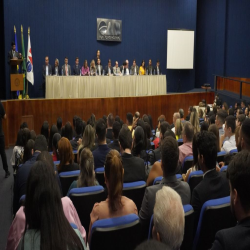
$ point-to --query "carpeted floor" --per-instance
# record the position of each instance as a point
(6, 196)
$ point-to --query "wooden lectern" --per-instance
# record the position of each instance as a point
(16, 80)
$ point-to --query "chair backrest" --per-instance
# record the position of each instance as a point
(135, 191)
(99, 174)
(157, 180)
(66, 178)
(187, 163)
(215, 215)
(233, 151)
(84, 199)
(180, 142)
(189, 228)
(194, 179)
(220, 156)
(121, 233)
(223, 169)
(22, 200)
(178, 176)
(151, 224)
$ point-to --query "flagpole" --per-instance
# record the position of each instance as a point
(27, 86)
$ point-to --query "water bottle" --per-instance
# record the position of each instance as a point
(154, 71)
(147, 72)
(151, 71)
(122, 71)
(103, 72)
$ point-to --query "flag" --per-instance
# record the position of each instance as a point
(17, 51)
(29, 64)
(24, 64)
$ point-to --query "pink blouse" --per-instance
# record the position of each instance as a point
(85, 71)
(18, 225)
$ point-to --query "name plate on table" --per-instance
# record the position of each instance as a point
(109, 30)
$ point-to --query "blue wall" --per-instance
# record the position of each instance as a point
(223, 35)
(68, 28)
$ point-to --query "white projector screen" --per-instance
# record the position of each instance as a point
(180, 49)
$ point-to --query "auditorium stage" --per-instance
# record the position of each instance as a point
(36, 111)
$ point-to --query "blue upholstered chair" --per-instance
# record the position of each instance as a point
(121, 233)
(220, 156)
(223, 169)
(187, 163)
(233, 151)
(180, 142)
(99, 174)
(84, 199)
(158, 179)
(66, 178)
(194, 179)
(215, 215)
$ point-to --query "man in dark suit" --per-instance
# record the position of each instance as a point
(134, 168)
(109, 69)
(150, 68)
(115, 131)
(24, 170)
(237, 237)
(66, 69)
(134, 68)
(47, 71)
(110, 122)
(214, 184)
(99, 68)
(56, 69)
(76, 69)
(157, 68)
(169, 163)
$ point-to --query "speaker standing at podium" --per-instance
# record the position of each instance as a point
(13, 54)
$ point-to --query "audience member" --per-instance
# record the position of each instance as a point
(110, 122)
(169, 218)
(129, 121)
(66, 156)
(53, 130)
(115, 205)
(194, 120)
(239, 112)
(213, 129)
(33, 135)
(115, 130)
(186, 148)
(151, 244)
(181, 112)
(243, 105)
(244, 138)
(229, 144)
(241, 118)
(146, 140)
(134, 168)
(201, 114)
(23, 172)
(55, 140)
(175, 117)
(178, 129)
(204, 126)
(237, 237)
(138, 146)
(225, 106)
(169, 162)
(220, 120)
(161, 118)
(189, 113)
(87, 172)
(24, 125)
(59, 125)
(46, 215)
(45, 130)
(28, 150)
(68, 131)
(231, 111)
(102, 149)
(79, 130)
(214, 184)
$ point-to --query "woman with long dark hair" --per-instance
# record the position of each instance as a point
(46, 225)
(142, 70)
(53, 130)
(87, 172)
(28, 150)
(56, 138)
(115, 205)
(139, 143)
(45, 130)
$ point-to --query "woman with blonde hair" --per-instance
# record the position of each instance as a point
(178, 129)
(87, 172)
(116, 204)
(66, 156)
(92, 68)
(194, 120)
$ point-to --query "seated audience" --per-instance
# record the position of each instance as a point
(244, 137)
(45, 130)
(23, 172)
(220, 120)
(102, 149)
(156, 141)
(186, 148)
(28, 150)
(169, 218)
(85, 69)
(243, 105)
(55, 140)
(115, 205)
(59, 125)
(151, 244)
(194, 120)
(116, 129)
(110, 122)
(169, 163)
(204, 126)
(189, 113)
(33, 135)
(129, 121)
(176, 116)
(200, 111)
(68, 131)
(53, 130)
(134, 168)
(229, 143)
(240, 119)
(178, 129)
(87, 172)
(213, 128)
(237, 237)
(138, 146)
(181, 112)
(225, 106)
(66, 156)
(146, 140)
(79, 130)
(214, 184)
(45, 212)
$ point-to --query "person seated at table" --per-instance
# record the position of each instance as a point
(76, 69)
(109, 69)
(116, 204)
(134, 68)
(116, 69)
(157, 68)
(99, 67)
(66, 156)
(124, 68)
(87, 172)
(92, 68)
(150, 68)
(142, 70)
(85, 69)
(66, 69)
(56, 69)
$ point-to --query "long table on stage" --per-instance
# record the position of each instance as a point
(58, 87)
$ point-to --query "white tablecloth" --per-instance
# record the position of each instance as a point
(58, 87)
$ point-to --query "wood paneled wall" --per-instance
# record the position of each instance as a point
(233, 86)
(50, 110)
